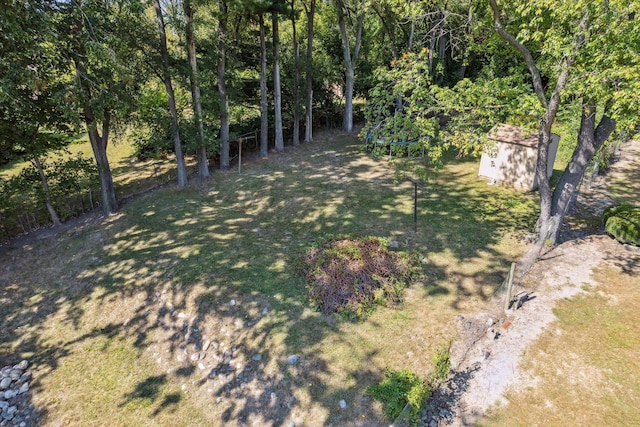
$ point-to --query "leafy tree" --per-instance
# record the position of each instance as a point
(168, 84)
(582, 51)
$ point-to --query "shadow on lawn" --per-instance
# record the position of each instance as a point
(203, 282)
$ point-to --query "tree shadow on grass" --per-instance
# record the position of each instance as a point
(198, 283)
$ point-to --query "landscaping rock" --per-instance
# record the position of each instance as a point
(15, 400)
(293, 359)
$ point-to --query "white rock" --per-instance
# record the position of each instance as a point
(257, 357)
(343, 403)
(232, 302)
(206, 345)
(5, 383)
(293, 359)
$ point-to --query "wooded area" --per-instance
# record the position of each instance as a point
(184, 78)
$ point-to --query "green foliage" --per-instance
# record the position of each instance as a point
(623, 223)
(397, 389)
(351, 276)
(69, 182)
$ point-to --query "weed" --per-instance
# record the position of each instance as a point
(399, 388)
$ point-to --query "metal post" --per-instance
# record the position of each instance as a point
(240, 155)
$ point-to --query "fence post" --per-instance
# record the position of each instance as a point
(507, 301)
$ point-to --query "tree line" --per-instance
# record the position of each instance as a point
(185, 76)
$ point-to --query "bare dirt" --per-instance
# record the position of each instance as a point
(486, 358)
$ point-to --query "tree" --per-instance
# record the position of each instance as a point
(223, 11)
(264, 117)
(173, 112)
(277, 91)
(99, 42)
(568, 39)
(310, 10)
(296, 77)
(203, 166)
(31, 121)
(350, 56)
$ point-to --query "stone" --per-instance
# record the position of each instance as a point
(265, 311)
(206, 345)
(394, 244)
(293, 359)
(23, 388)
(181, 315)
(257, 357)
(5, 383)
(15, 374)
(232, 302)
(9, 394)
(195, 357)
(490, 322)
(343, 404)
(23, 365)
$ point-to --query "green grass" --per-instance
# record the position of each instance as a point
(94, 300)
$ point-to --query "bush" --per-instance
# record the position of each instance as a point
(399, 388)
(623, 223)
(350, 276)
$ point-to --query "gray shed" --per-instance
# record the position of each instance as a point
(511, 160)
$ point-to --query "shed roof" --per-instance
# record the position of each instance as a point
(513, 135)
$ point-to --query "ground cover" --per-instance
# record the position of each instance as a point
(187, 305)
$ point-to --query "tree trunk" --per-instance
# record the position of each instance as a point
(308, 131)
(277, 91)
(203, 166)
(173, 112)
(47, 194)
(264, 119)
(222, 87)
(296, 79)
(98, 143)
(350, 60)
(590, 140)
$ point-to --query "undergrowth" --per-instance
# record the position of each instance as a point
(405, 393)
(350, 276)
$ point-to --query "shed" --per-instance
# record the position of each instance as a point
(512, 159)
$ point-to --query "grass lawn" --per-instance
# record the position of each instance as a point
(116, 314)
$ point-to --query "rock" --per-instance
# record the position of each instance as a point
(293, 359)
(181, 315)
(215, 344)
(343, 404)
(23, 365)
(5, 383)
(257, 357)
(23, 388)
(273, 395)
(232, 302)
(490, 322)
(15, 374)
(195, 357)
(9, 394)
(394, 244)
(265, 311)
(206, 345)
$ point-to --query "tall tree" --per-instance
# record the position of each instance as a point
(277, 91)
(310, 10)
(264, 105)
(603, 80)
(296, 77)
(173, 111)
(100, 42)
(355, 15)
(223, 12)
(203, 166)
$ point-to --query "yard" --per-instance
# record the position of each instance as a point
(186, 306)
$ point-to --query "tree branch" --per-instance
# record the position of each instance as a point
(531, 63)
